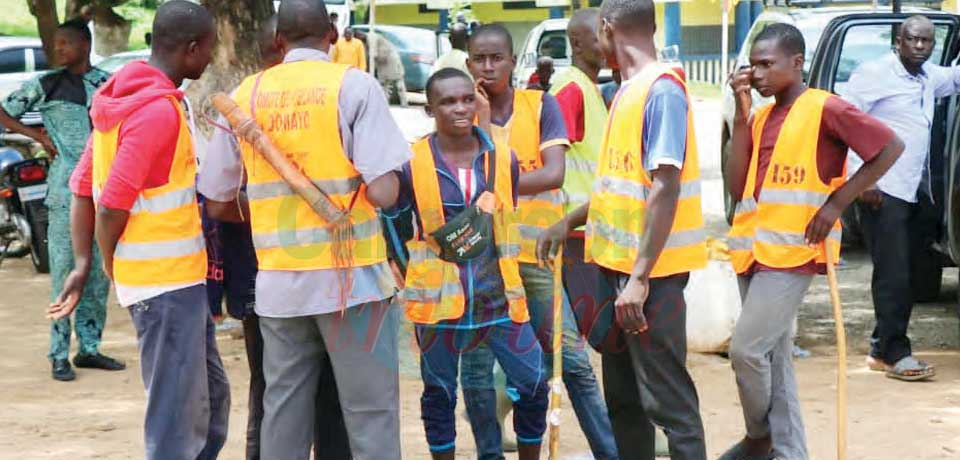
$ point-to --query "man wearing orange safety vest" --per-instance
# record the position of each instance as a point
(135, 184)
(529, 122)
(786, 172)
(644, 229)
(321, 295)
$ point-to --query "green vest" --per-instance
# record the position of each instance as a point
(581, 163)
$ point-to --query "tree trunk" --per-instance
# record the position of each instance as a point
(236, 54)
(46, 13)
(111, 31)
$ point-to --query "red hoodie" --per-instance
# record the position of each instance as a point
(136, 96)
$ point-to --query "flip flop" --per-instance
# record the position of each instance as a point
(910, 369)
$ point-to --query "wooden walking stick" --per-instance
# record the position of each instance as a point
(841, 353)
(556, 381)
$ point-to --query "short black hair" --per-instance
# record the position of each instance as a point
(78, 26)
(492, 29)
(445, 73)
(788, 38)
(302, 19)
(630, 14)
(179, 22)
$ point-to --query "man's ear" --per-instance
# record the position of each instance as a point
(428, 110)
(798, 60)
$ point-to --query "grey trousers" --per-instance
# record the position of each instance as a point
(361, 345)
(188, 396)
(646, 382)
(762, 358)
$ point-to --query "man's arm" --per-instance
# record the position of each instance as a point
(228, 211)
(946, 80)
(22, 101)
(221, 176)
(553, 150)
(82, 215)
(110, 224)
(738, 163)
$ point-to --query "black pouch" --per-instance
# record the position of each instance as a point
(466, 236)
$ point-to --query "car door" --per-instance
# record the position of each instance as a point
(851, 40)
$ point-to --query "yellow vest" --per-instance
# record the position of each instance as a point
(522, 134)
(432, 290)
(296, 105)
(581, 159)
(771, 230)
(162, 243)
(617, 216)
(350, 53)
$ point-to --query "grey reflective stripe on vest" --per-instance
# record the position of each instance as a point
(637, 191)
(529, 232)
(422, 253)
(515, 293)
(284, 238)
(551, 196)
(165, 202)
(623, 187)
(577, 198)
(790, 239)
(740, 243)
(280, 188)
(580, 165)
(745, 206)
(803, 197)
(632, 240)
(508, 250)
(430, 295)
(159, 249)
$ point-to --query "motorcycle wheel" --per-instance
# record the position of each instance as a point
(39, 250)
(19, 243)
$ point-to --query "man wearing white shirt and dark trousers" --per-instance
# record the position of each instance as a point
(898, 215)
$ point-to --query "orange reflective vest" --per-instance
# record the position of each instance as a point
(522, 133)
(617, 215)
(432, 290)
(296, 105)
(162, 244)
(770, 230)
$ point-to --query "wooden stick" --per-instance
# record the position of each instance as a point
(556, 381)
(246, 128)
(841, 353)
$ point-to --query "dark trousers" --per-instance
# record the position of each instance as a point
(188, 396)
(896, 234)
(646, 382)
(330, 441)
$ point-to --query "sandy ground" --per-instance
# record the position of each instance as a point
(99, 416)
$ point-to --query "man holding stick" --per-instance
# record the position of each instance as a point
(323, 288)
(786, 168)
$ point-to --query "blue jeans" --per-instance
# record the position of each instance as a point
(516, 349)
(188, 396)
(578, 376)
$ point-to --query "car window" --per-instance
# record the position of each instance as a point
(414, 40)
(13, 60)
(553, 43)
(863, 43)
(40, 60)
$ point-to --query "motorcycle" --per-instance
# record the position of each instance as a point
(23, 215)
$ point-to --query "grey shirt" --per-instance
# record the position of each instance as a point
(376, 146)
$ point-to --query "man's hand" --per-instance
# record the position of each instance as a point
(741, 86)
(483, 106)
(872, 197)
(629, 306)
(47, 144)
(69, 296)
(550, 241)
(108, 266)
(822, 222)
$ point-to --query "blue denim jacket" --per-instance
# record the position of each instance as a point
(480, 277)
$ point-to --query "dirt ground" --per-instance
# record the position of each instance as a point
(99, 415)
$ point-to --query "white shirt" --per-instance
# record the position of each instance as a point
(884, 89)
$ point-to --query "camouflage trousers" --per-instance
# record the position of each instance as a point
(91, 313)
